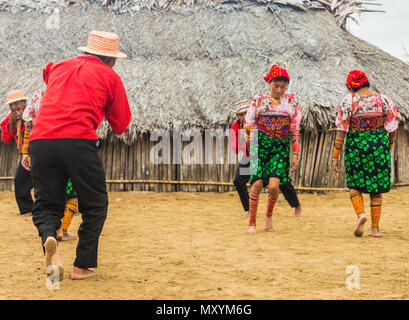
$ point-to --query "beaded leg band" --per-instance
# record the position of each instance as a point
(253, 204)
(376, 208)
(71, 207)
(357, 202)
(272, 200)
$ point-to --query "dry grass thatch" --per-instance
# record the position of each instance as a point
(189, 66)
(343, 10)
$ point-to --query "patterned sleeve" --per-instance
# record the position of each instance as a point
(30, 112)
(251, 115)
(392, 116)
(296, 115)
(344, 114)
(6, 135)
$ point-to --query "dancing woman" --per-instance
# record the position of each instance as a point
(277, 116)
(242, 176)
(369, 121)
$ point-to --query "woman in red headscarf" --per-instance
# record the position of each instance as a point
(369, 121)
(29, 116)
(277, 117)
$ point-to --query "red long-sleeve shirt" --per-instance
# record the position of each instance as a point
(8, 136)
(234, 140)
(80, 92)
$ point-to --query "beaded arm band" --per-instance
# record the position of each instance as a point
(337, 149)
(248, 128)
(296, 143)
(392, 139)
(24, 149)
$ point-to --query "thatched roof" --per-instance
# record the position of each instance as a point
(189, 65)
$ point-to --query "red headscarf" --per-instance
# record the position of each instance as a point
(356, 79)
(47, 70)
(275, 72)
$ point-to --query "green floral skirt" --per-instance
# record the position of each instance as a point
(368, 161)
(69, 190)
(270, 157)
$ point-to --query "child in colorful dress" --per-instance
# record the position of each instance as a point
(277, 116)
(369, 121)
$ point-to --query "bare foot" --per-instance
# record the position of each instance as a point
(27, 214)
(65, 236)
(269, 223)
(52, 257)
(297, 211)
(359, 229)
(81, 273)
(59, 234)
(376, 233)
(251, 230)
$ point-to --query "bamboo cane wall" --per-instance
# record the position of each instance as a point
(132, 162)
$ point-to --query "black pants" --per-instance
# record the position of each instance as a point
(290, 194)
(52, 162)
(22, 189)
(240, 181)
(243, 176)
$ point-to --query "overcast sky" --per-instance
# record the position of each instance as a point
(388, 31)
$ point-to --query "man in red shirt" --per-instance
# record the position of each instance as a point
(9, 132)
(80, 92)
(241, 143)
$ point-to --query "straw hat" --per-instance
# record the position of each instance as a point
(241, 107)
(15, 95)
(103, 44)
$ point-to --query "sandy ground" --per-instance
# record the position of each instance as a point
(195, 246)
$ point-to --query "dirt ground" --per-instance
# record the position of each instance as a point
(195, 246)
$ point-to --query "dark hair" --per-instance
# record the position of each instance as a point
(365, 85)
(280, 78)
(103, 58)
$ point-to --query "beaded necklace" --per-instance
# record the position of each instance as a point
(271, 98)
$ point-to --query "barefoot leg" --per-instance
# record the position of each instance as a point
(273, 193)
(82, 273)
(297, 211)
(253, 204)
(269, 223)
(52, 257)
(376, 208)
(359, 228)
(67, 237)
(376, 233)
(59, 234)
(251, 230)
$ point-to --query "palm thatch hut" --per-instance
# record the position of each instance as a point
(189, 62)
